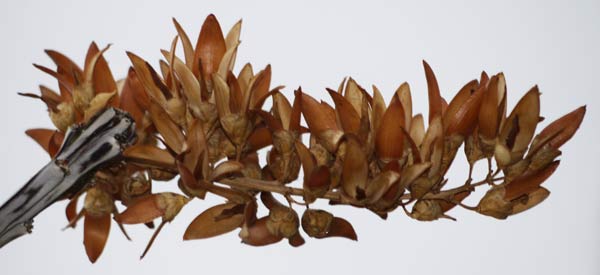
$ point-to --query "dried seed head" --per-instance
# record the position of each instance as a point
(237, 127)
(316, 223)
(98, 202)
(426, 210)
(171, 204)
(283, 221)
(136, 185)
(284, 141)
(494, 205)
(421, 186)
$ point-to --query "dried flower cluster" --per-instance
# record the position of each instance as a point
(199, 122)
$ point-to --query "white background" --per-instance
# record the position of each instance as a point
(554, 45)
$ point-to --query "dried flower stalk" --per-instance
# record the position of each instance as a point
(200, 123)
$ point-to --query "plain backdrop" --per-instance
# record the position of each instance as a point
(315, 44)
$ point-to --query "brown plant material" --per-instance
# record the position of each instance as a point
(200, 122)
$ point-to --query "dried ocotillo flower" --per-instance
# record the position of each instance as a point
(145, 210)
(201, 123)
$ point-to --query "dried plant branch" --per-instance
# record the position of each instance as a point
(205, 127)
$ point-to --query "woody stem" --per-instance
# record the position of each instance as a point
(274, 186)
(277, 187)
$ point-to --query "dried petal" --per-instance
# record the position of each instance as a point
(433, 90)
(167, 128)
(389, 140)
(95, 234)
(206, 225)
(210, 48)
(150, 155)
(560, 131)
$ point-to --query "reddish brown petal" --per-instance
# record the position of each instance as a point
(295, 115)
(188, 50)
(260, 138)
(143, 210)
(433, 90)
(150, 155)
(210, 48)
(197, 143)
(354, 95)
(95, 234)
(71, 210)
(236, 94)
(258, 234)
(346, 113)
(529, 183)
(462, 114)
(272, 122)
(42, 137)
(490, 114)
(403, 93)
(377, 107)
(130, 95)
(315, 114)
(55, 143)
(341, 228)
(389, 140)
(561, 130)
(190, 85)
(206, 225)
(167, 128)
(260, 87)
(282, 109)
(65, 65)
(146, 75)
(62, 80)
(102, 79)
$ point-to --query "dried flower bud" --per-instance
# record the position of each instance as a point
(98, 202)
(237, 127)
